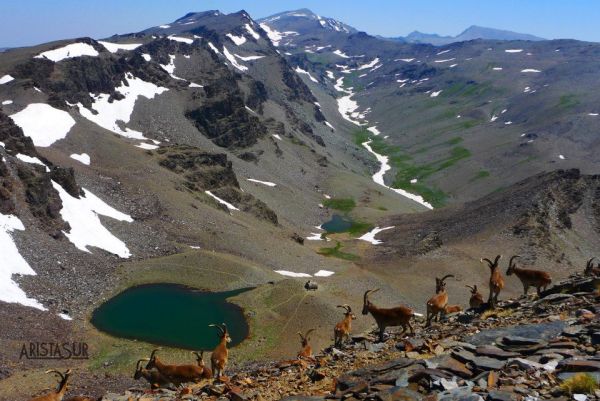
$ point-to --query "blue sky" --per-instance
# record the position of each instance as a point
(27, 22)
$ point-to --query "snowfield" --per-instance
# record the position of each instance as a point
(43, 123)
(6, 79)
(69, 51)
(115, 47)
(31, 160)
(267, 183)
(252, 32)
(233, 61)
(221, 201)
(13, 263)
(82, 158)
(301, 71)
(86, 228)
(378, 177)
(109, 113)
(370, 236)
(238, 40)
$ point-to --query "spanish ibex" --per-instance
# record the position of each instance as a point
(153, 377)
(59, 393)
(206, 372)
(342, 329)
(176, 374)
(529, 277)
(496, 280)
(590, 269)
(476, 300)
(436, 305)
(388, 317)
(220, 354)
(306, 350)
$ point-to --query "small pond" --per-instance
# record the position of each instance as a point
(337, 224)
(172, 315)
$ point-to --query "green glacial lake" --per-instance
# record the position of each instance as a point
(172, 315)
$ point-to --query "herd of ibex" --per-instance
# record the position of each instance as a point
(159, 374)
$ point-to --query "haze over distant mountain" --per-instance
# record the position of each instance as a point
(471, 33)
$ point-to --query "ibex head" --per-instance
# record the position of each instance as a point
(223, 333)
(473, 289)
(366, 302)
(152, 360)
(138, 369)
(492, 265)
(348, 311)
(512, 265)
(440, 283)
(589, 266)
(304, 339)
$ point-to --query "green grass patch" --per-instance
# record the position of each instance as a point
(361, 135)
(336, 252)
(359, 228)
(568, 101)
(342, 204)
(480, 175)
(351, 81)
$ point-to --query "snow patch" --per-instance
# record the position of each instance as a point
(69, 51)
(6, 79)
(7, 102)
(267, 183)
(329, 125)
(146, 57)
(164, 26)
(248, 58)
(301, 71)
(238, 40)
(109, 113)
(86, 228)
(374, 130)
(195, 85)
(115, 47)
(233, 61)
(443, 51)
(378, 177)
(561, 157)
(370, 236)
(341, 54)
(221, 201)
(31, 160)
(369, 65)
(497, 68)
(324, 273)
(513, 50)
(292, 274)
(444, 61)
(406, 60)
(435, 93)
(182, 40)
(82, 158)
(13, 263)
(530, 70)
(252, 32)
(43, 123)
(147, 146)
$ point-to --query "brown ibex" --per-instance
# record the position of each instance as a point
(496, 280)
(206, 372)
(590, 269)
(437, 303)
(476, 300)
(176, 374)
(529, 277)
(153, 377)
(220, 354)
(388, 317)
(306, 350)
(59, 393)
(342, 329)
(452, 309)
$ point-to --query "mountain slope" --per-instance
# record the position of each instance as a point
(471, 33)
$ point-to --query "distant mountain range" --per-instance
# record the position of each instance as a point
(471, 33)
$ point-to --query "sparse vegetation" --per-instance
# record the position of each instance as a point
(361, 135)
(580, 383)
(480, 174)
(568, 101)
(342, 204)
(337, 253)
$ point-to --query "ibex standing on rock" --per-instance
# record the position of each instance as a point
(176, 374)
(342, 329)
(529, 278)
(436, 305)
(220, 355)
(590, 269)
(306, 350)
(388, 317)
(59, 393)
(154, 377)
(496, 280)
(476, 300)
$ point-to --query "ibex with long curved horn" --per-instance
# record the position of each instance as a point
(590, 269)
(220, 354)
(476, 300)
(59, 393)
(388, 317)
(176, 374)
(342, 329)
(496, 280)
(306, 350)
(206, 372)
(153, 377)
(529, 277)
(436, 305)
